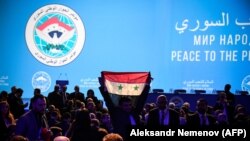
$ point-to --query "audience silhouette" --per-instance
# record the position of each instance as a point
(88, 119)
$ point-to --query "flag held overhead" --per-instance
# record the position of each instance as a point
(125, 83)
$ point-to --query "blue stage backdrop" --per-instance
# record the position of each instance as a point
(185, 44)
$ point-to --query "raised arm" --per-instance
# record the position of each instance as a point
(108, 101)
(142, 98)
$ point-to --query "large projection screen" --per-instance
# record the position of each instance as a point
(185, 44)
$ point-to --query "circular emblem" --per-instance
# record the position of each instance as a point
(41, 80)
(178, 101)
(245, 85)
(55, 35)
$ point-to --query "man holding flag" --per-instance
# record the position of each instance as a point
(125, 94)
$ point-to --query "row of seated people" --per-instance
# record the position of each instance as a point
(85, 121)
(59, 98)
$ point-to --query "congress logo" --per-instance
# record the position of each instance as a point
(55, 35)
(41, 80)
(245, 85)
(177, 100)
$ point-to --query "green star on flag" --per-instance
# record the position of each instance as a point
(120, 87)
(136, 88)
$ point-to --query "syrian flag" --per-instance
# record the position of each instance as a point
(119, 84)
(126, 83)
